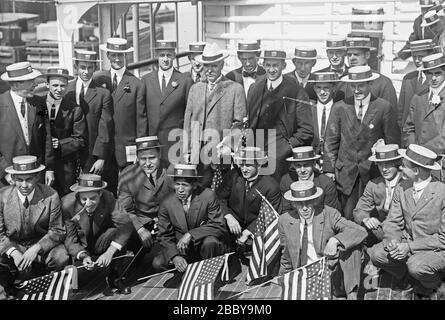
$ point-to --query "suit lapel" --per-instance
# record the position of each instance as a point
(91, 92)
(180, 214)
(216, 95)
(294, 229)
(254, 106)
(31, 118)
(13, 216)
(315, 123)
(352, 116)
(426, 197)
(169, 88)
(14, 117)
(317, 231)
(369, 115)
(119, 92)
(37, 206)
(194, 211)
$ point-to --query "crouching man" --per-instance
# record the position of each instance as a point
(313, 230)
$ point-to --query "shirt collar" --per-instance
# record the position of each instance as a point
(217, 80)
(51, 100)
(327, 105)
(22, 197)
(244, 70)
(167, 73)
(341, 70)
(308, 221)
(275, 83)
(302, 80)
(16, 98)
(188, 200)
(419, 186)
(86, 84)
(365, 102)
(252, 179)
(394, 181)
(119, 73)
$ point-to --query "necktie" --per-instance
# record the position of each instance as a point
(360, 112)
(163, 84)
(303, 248)
(247, 187)
(82, 93)
(388, 197)
(90, 238)
(211, 86)
(185, 206)
(198, 77)
(23, 108)
(53, 112)
(150, 177)
(323, 123)
(115, 82)
(249, 74)
(416, 195)
(26, 203)
(271, 88)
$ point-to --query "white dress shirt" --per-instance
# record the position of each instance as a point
(186, 203)
(23, 120)
(79, 83)
(320, 107)
(311, 253)
(167, 74)
(418, 187)
(302, 81)
(365, 104)
(390, 186)
(49, 102)
(248, 81)
(119, 74)
(212, 85)
(274, 83)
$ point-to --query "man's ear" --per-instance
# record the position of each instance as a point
(284, 65)
(314, 62)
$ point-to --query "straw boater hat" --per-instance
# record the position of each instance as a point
(85, 55)
(145, 143)
(421, 156)
(426, 3)
(24, 165)
(88, 182)
(119, 45)
(360, 74)
(274, 54)
(303, 154)
(185, 171)
(249, 46)
(359, 43)
(196, 47)
(20, 71)
(303, 191)
(329, 76)
(250, 155)
(166, 45)
(336, 43)
(420, 45)
(432, 61)
(57, 71)
(305, 54)
(211, 54)
(384, 153)
(430, 18)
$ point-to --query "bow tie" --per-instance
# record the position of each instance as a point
(249, 74)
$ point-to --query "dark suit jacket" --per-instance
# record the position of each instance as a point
(204, 218)
(237, 75)
(129, 112)
(97, 107)
(108, 214)
(327, 223)
(12, 142)
(421, 224)
(348, 143)
(244, 205)
(45, 219)
(328, 198)
(309, 86)
(165, 111)
(139, 197)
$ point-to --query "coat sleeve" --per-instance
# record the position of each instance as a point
(5, 242)
(331, 196)
(390, 127)
(126, 198)
(394, 225)
(73, 244)
(101, 148)
(223, 193)
(402, 102)
(286, 261)
(332, 138)
(78, 137)
(49, 151)
(166, 235)
(56, 230)
(141, 110)
(347, 232)
(390, 95)
(365, 205)
(408, 132)
(304, 133)
(187, 119)
(123, 224)
(239, 107)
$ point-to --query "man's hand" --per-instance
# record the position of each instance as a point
(371, 223)
(399, 251)
(244, 236)
(105, 258)
(28, 257)
(8, 179)
(98, 166)
(49, 178)
(183, 243)
(331, 248)
(330, 175)
(17, 257)
(180, 263)
(233, 224)
(88, 263)
(56, 143)
(146, 238)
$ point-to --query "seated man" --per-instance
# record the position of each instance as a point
(31, 226)
(96, 226)
(240, 201)
(373, 206)
(313, 230)
(191, 225)
(413, 250)
(302, 167)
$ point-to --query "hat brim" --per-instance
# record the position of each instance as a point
(261, 160)
(184, 176)
(374, 159)
(288, 196)
(292, 159)
(199, 59)
(433, 67)
(304, 58)
(435, 166)
(11, 170)
(45, 75)
(251, 50)
(363, 47)
(76, 188)
(103, 47)
(423, 24)
(371, 78)
(77, 59)
(30, 76)
(334, 48)
(150, 147)
(324, 81)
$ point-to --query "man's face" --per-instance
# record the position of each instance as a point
(303, 67)
(90, 199)
(435, 77)
(388, 169)
(25, 183)
(248, 60)
(117, 60)
(409, 171)
(248, 170)
(183, 188)
(418, 55)
(85, 69)
(165, 59)
(198, 67)
(336, 57)
(23, 88)
(213, 70)
(274, 68)
(358, 57)
(304, 169)
(361, 89)
(325, 91)
(149, 160)
(57, 87)
(304, 208)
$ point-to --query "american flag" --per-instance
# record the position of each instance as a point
(53, 286)
(311, 282)
(266, 243)
(199, 279)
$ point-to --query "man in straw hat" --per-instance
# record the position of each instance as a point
(354, 126)
(166, 95)
(373, 206)
(414, 81)
(142, 187)
(248, 53)
(191, 224)
(24, 126)
(336, 53)
(31, 226)
(218, 104)
(278, 103)
(303, 167)
(128, 93)
(304, 60)
(97, 227)
(68, 128)
(197, 69)
(412, 249)
(312, 230)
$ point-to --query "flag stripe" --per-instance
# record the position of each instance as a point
(51, 286)
(195, 275)
(67, 284)
(59, 285)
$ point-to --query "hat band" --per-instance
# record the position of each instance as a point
(303, 155)
(148, 144)
(357, 44)
(120, 47)
(335, 44)
(361, 75)
(304, 54)
(433, 63)
(62, 72)
(419, 158)
(422, 47)
(196, 48)
(274, 55)
(24, 166)
(211, 58)
(431, 19)
(86, 56)
(248, 47)
(304, 193)
(19, 73)
(185, 172)
(90, 183)
(386, 155)
(329, 77)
